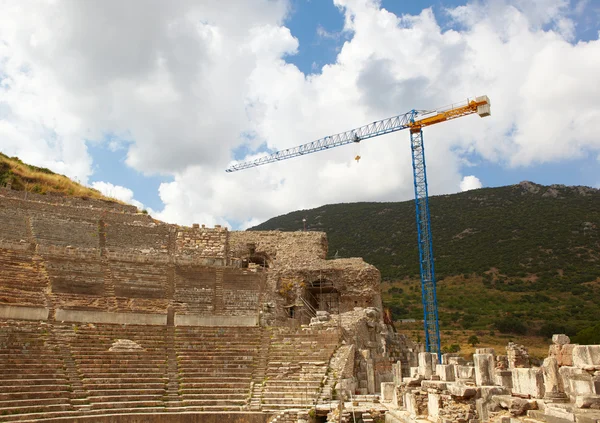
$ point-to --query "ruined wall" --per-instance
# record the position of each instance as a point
(81, 254)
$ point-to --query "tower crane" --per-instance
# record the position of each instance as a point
(415, 121)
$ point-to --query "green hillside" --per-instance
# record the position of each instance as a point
(519, 258)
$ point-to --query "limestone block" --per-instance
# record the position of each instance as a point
(465, 372)
(485, 351)
(455, 360)
(528, 382)
(566, 373)
(581, 384)
(587, 401)
(503, 378)
(387, 391)
(445, 372)
(560, 339)
(414, 371)
(562, 353)
(410, 402)
(587, 357)
(484, 369)
(426, 363)
(436, 385)
(462, 391)
(433, 406)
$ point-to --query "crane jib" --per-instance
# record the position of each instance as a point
(480, 105)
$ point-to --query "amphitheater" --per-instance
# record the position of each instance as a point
(107, 315)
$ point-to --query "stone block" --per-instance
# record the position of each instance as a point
(484, 369)
(560, 339)
(528, 382)
(433, 406)
(462, 391)
(581, 384)
(387, 391)
(485, 351)
(587, 357)
(426, 363)
(587, 401)
(445, 372)
(562, 353)
(410, 403)
(465, 372)
(503, 378)
(566, 373)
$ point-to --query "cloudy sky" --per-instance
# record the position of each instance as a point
(150, 100)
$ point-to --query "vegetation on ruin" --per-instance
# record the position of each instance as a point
(517, 260)
(24, 177)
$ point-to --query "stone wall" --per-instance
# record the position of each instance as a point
(91, 255)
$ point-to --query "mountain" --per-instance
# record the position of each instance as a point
(525, 253)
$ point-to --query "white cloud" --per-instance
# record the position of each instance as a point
(186, 83)
(117, 192)
(470, 182)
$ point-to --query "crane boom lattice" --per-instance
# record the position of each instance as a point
(479, 105)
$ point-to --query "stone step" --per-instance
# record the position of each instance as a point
(214, 386)
(204, 396)
(126, 404)
(117, 396)
(41, 408)
(124, 379)
(212, 402)
(25, 393)
(38, 416)
(133, 367)
(111, 373)
(110, 361)
(16, 403)
(10, 383)
(126, 392)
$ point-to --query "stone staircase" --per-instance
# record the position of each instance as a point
(216, 366)
(260, 371)
(298, 362)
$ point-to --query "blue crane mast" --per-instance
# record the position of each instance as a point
(415, 120)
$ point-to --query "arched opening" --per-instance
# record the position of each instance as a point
(256, 261)
(323, 296)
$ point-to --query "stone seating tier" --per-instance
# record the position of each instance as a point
(55, 230)
(13, 224)
(21, 281)
(32, 377)
(67, 370)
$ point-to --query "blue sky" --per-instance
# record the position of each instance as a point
(318, 27)
(197, 86)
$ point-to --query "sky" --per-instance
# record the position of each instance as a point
(150, 101)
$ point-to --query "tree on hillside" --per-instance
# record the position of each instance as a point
(473, 340)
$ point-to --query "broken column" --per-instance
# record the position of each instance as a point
(553, 383)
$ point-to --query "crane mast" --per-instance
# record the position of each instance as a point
(415, 120)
